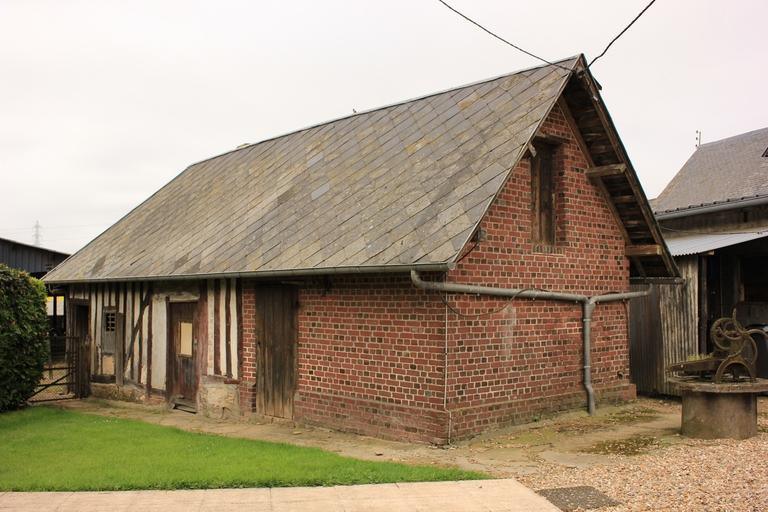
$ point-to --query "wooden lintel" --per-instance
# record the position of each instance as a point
(549, 139)
(606, 170)
(643, 250)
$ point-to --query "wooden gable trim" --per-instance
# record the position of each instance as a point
(604, 147)
(644, 250)
(607, 170)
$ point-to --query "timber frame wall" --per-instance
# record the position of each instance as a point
(141, 334)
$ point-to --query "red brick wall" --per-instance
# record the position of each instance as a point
(525, 357)
(372, 350)
(371, 357)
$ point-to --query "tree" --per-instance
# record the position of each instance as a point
(23, 336)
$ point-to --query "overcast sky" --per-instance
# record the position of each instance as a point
(103, 102)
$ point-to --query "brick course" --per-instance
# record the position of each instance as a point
(525, 357)
(378, 356)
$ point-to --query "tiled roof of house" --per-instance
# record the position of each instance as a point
(727, 170)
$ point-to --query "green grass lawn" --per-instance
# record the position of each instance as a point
(46, 449)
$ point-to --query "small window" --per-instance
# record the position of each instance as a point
(543, 194)
(109, 321)
(108, 331)
(765, 153)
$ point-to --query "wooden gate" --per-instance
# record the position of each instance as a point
(276, 350)
(182, 352)
(65, 375)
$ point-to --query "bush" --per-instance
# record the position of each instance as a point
(23, 336)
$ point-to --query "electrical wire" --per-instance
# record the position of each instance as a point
(491, 312)
(621, 33)
(484, 29)
(501, 38)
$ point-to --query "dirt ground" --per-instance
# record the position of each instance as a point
(632, 453)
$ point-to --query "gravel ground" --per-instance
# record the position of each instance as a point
(692, 475)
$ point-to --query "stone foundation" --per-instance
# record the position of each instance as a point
(218, 399)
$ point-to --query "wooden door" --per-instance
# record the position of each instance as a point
(182, 361)
(276, 350)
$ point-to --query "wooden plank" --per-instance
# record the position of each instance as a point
(149, 342)
(643, 250)
(170, 367)
(239, 320)
(135, 328)
(202, 332)
(607, 170)
(228, 328)
(119, 344)
(703, 305)
(216, 328)
(548, 138)
(627, 199)
(258, 321)
(140, 324)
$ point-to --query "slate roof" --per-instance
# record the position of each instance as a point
(727, 170)
(400, 185)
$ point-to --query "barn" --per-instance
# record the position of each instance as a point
(421, 271)
(714, 217)
(37, 261)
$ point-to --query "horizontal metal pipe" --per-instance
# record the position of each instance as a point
(588, 306)
(610, 297)
(523, 293)
(363, 269)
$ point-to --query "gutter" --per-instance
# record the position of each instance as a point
(369, 269)
(588, 306)
(711, 208)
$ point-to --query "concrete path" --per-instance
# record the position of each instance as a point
(481, 495)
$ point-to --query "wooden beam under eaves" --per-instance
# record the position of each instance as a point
(606, 170)
(644, 250)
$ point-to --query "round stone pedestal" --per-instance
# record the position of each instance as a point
(716, 411)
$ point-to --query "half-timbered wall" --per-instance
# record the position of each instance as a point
(141, 348)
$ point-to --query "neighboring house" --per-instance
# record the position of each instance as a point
(30, 258)
(714, 217)
(36, 261)
(286, 278)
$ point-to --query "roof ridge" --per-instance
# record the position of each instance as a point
(33, 246)
(242, 147)
(737, 136)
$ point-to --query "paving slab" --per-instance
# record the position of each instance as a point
(503, 495)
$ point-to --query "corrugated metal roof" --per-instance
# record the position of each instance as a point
(719, 172)
(403, 184)
(700, 242)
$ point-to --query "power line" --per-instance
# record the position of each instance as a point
(621, 33)
(481, 27)
(502, 39)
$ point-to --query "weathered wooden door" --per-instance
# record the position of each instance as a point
(182, 363)
(276, 350)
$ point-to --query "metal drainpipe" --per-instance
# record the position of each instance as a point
(588, 307)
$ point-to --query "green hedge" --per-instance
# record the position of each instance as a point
(23, 336)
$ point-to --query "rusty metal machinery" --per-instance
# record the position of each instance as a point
(733, 358)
